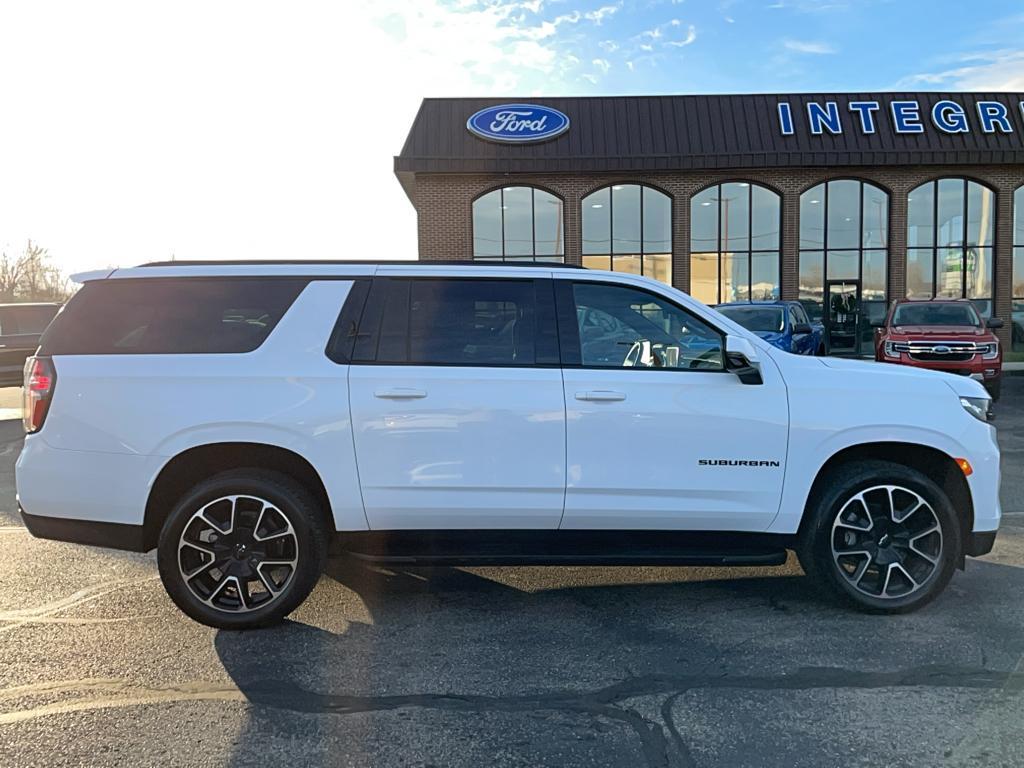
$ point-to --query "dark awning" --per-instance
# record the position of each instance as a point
(663, 133)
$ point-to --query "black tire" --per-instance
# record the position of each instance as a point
(837, 493)
(995, 389)
(304, 543)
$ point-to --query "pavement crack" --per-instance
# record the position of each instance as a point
(663, 746)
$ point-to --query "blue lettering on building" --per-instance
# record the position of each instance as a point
(824, 118)
(866, 110)
(786, 118)
(993, 114)
(949, 117)
(904, 115)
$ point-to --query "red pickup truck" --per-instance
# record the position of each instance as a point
(943, 335)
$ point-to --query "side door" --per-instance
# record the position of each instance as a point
(457, 405)
(659, 434)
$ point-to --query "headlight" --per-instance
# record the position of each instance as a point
(978, 407)
(890, 349)
(992, 351)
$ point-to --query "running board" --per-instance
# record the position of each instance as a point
(516, 547)
(661, 557)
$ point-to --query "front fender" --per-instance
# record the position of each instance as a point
(807, 458)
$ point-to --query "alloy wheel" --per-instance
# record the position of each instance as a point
(887, 542)
(238, 553)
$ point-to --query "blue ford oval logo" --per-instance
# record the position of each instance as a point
(518, 123)
(941, 349)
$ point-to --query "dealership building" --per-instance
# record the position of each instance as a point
(843, 201)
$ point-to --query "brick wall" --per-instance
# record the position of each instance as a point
(444, 210)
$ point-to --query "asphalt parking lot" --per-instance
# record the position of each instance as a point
(518, 667)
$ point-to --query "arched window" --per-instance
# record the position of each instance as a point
(1017, 275)
(628, 228)
(518, 224)
(844, 258)
(734, 243)
(950, 236)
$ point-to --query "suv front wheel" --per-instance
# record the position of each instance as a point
(243, 549)
(882, 535)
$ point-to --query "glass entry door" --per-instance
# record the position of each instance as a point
(842, 316)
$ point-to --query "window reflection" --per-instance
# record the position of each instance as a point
(628, 228)
(1017, 273)
(844, 235)
(950, 236)
(518, 223)
(734, 243)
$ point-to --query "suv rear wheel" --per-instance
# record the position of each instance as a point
(242, 549)
(882, 536)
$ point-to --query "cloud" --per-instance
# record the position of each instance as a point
(602, 64)
(1001, 70)
(664, 34)
(812, 47)
(811, 6)
(253, 85)
(608, 46)
(691, 36)
(601, 13)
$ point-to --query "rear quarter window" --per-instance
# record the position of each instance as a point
(170, 316)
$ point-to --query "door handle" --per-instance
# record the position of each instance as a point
(601, 396)
(400, 393)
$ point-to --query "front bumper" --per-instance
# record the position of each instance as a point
(981, 370)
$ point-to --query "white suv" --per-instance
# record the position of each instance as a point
(242, 417)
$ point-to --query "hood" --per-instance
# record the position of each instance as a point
(770, 335)
(963, 386)
(945, 331)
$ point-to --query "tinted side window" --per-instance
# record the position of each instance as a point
(459, 322)
(621, 327)
(170, 316)
(799, 316)
(28, 319)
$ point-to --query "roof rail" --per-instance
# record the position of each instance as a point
(382, 262)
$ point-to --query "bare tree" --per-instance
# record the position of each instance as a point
(31, 276)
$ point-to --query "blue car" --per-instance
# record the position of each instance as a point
(783, 324)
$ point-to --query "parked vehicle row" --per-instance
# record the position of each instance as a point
(242, 418)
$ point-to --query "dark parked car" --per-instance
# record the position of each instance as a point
(783, 324)
(21, 325)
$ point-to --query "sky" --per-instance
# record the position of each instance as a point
(137, 131)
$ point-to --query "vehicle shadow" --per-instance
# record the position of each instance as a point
(462, 663)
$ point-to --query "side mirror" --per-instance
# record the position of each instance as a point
(741, 359)
(994, 323)
(801, 329)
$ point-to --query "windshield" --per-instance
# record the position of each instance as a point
(770, 319)
(936, 314)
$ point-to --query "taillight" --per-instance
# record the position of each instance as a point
(40, 381)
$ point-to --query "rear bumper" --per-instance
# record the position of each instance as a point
(95, 534)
